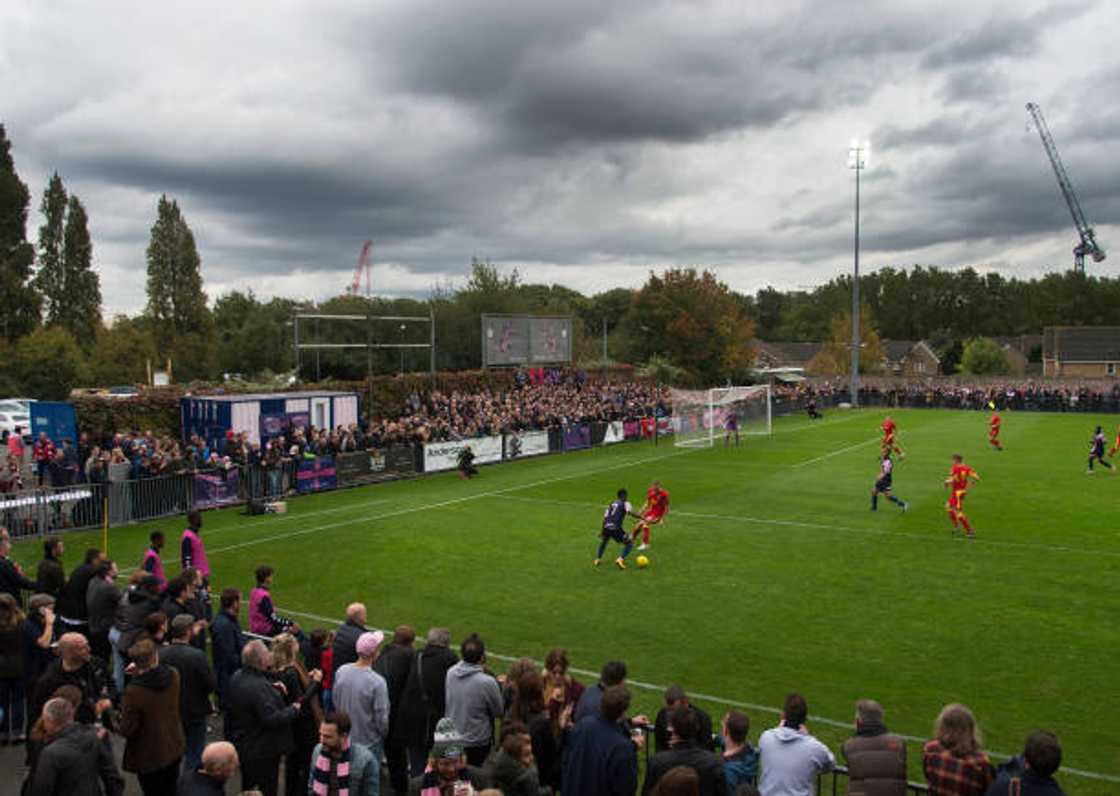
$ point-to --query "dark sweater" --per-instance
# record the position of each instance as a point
(196, 679)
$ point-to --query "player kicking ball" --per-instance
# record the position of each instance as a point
(653, 512)
(883, 484)
(613, 519)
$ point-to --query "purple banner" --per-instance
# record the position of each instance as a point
(215, 489)
(273, 425)
(576, 437)
(299, 420)
(316, 474)
(631, 429)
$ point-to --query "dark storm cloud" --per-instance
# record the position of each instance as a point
(1004, 35)
(975, 84)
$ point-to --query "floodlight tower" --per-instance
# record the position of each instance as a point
(858, 155)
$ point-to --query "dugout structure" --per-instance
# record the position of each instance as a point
(700, 417)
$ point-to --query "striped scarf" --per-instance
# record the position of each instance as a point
(328, 773)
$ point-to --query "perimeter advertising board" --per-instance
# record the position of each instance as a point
(445, 455)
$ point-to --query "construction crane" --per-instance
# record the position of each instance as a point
(364, 266)
(1088, 244)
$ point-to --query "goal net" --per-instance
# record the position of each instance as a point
(700, 417)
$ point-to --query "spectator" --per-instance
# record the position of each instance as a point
(876, 759)
(50, 574)
(180, 598)
(140, 601)
(675, 697)
(363, 695)
(75, 762)
(474, 700)
(447, 771)
(192, 552)
(42, 452)
(12, 580)
(319, 656)
(613, 673)
(512, 768)
(15, 446)
(219, 766)
(679, 781)
(424, 699)
(38, 737)
(76, 667)
(600, 759)
(560, 688)
(228, 643)
(260, 722)
(150, 721)
(152, 563)
(196, 683)
(1032, 772)
(344, 649)
(102, 599)
(38, 635)
(263, 619)
(684, 749)
(72, 610)
(528, 708)
(13, 671)
(954, 763)
(296, 680)
(394, 664)
(740, 759)
(791, 757)
(337, 765)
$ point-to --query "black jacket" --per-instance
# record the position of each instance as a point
(703, 729)
(228, 643)
(51, 576)
(91, 679)
(72, 598)
(196, 783)
(102, 599)
(394, 664)
(260, 722)
(196, 679)
(706, 764)
(12, 580)
(424, 699)
(76, 763)
(345, 647)
(134, 608)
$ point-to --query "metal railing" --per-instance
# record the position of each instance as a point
(839, 786)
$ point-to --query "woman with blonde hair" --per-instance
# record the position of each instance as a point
(954, 762)
(296, 680)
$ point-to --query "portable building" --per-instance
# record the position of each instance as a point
(265, 415)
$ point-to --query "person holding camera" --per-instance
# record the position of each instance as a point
(466, 463)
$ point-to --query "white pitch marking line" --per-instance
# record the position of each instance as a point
(724, 701)
(836, 452)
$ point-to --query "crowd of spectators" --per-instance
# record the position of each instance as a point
(356, 711)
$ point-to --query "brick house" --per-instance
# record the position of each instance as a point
(1081, 351)
(793, 357)
(910, 358)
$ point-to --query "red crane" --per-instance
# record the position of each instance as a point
(364, 266)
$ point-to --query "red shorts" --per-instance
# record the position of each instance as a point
(956, 499)
(653, 516)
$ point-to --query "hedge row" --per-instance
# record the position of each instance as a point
(158, 409)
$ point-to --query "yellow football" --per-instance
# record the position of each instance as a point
(643, 562)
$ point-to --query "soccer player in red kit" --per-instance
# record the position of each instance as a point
(653, 512)
(958, 483)
(889, 444)
(993, 430)
(1115, 445)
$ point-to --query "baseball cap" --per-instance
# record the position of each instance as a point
(447, 742)
(368, 643)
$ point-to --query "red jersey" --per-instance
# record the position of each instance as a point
(658, 502)
(888, 428)
(994, 422)
(959, 476)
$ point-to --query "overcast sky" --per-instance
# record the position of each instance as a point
(582, 142)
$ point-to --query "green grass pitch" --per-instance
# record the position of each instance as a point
(770, 575)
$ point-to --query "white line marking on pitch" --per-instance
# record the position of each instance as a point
(722, 700)
(837, 452)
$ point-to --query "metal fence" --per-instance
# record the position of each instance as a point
(837, 780)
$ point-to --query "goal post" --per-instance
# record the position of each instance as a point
(700, 417)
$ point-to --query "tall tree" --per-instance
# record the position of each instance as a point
(81, 305)
(176, 301)
(51, 276)
(19, 301)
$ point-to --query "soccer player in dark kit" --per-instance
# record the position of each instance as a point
(883, 484)
(613, 518)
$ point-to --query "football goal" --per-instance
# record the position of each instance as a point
(700, 417)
